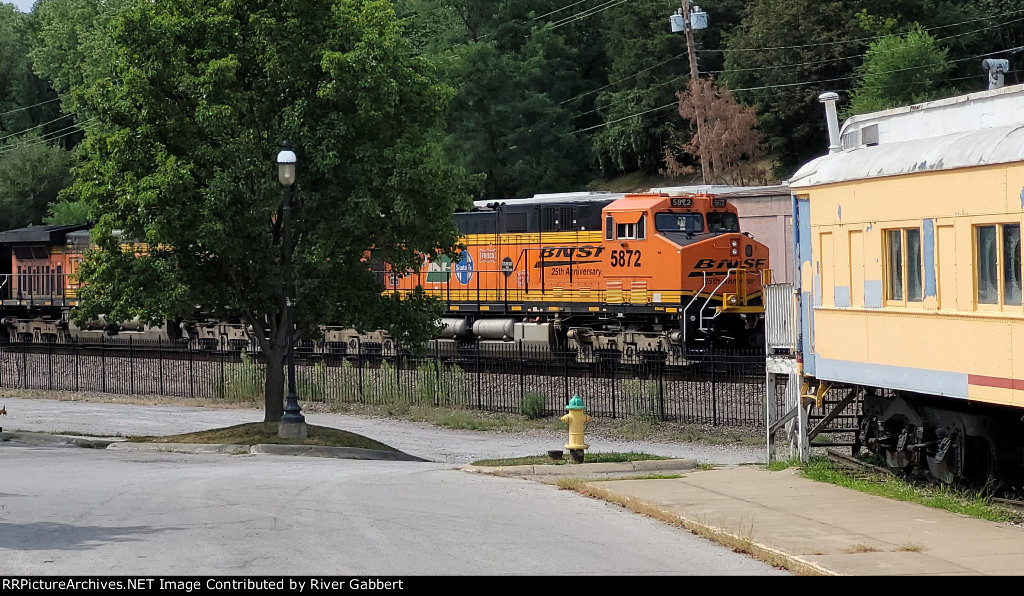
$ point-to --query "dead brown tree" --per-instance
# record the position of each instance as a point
(732, 143)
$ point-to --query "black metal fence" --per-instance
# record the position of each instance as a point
(708, 386)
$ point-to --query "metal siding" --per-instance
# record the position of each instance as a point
(779, 300)
(935, 382)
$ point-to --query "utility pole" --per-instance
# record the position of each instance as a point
(687, 27)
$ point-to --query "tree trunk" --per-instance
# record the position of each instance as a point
(274, 389)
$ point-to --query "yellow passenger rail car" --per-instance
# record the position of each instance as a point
(908, 282)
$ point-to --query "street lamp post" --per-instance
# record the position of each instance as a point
(293, 423)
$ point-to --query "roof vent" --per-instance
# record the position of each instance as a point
(832, 119)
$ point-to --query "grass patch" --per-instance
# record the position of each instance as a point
(645, 477)
(972, 503)
(589, 458)
(266, 432)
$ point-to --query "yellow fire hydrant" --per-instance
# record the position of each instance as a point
(576, 420)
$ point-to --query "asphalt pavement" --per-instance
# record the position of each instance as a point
(780, 517)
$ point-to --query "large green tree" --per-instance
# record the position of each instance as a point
(900, 69)
(781, 57)
(200, 96)
(518, 68)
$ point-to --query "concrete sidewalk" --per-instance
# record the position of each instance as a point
(808, 527)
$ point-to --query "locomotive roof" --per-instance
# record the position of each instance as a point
(39, 234)
(607, 196)
(976, 129)
(725, 190)
(552, 199)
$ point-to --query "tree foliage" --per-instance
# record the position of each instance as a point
(780, 58)
(199, 96)
(34, 166)
(515, 77)
(32, 172)
(900, 70)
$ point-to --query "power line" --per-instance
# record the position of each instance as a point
(798, 84)
(587, 13)
(30, 107)
(35, 127)
(876, 37)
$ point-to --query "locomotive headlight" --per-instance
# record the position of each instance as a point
(735, 243)
(735, 252)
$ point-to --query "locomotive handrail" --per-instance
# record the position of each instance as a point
(728, 273)
(687, 307)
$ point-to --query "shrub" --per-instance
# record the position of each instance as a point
(533, 405)
(243, 381)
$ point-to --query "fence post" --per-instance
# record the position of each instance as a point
(24, 368)
(611, 364)
(479, 399)
(78, 350)
(437, 374)
(565, 376)
(160, 361)
(191, 375)
(522, 379)
(661, 392)
(359, 365)
(223, 389)
(714, 392)
(131, 365)
(103, 362)
(49, 365)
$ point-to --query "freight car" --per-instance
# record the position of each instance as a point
(625, 277)
(908, 288)
(39, 288)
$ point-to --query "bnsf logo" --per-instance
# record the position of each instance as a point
(569, 252)
(730, 264)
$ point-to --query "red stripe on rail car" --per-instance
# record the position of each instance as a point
(1000, 382)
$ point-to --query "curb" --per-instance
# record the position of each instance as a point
(585, 469)
(122, 444)
(46, 438)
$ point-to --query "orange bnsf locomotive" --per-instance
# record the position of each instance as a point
(619, 276)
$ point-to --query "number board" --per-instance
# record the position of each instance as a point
(718, 202)
(682, 202)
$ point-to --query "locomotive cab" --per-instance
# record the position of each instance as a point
(695, 244)
(686, 258)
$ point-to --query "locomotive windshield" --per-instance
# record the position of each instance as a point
(679, 222)
(723, 221)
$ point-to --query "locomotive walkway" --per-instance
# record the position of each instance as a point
(808, 527)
